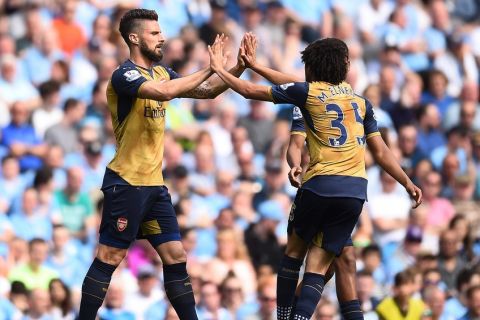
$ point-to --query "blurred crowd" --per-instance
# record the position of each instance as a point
(416, 61)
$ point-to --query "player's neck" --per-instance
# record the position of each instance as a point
(141, 61)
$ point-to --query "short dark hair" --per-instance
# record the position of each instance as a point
(36, 241)
(327, 60)
(373, 248)
(404, 277)
(130, 20)
(48, 87)
(471, 291)
(70, 104)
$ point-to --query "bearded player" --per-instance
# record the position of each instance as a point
(137, 203)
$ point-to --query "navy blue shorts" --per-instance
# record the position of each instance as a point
(327, 222)
(132, 212)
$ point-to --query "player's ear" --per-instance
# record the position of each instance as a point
(134, 38)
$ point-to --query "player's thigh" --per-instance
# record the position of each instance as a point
(303, 223)
(337, 224)
(160, 223)
(121, 216)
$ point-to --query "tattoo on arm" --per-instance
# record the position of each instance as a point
(203, 91)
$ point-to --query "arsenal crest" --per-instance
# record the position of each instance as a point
(122, 224)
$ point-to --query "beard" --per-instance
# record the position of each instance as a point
(150, 54)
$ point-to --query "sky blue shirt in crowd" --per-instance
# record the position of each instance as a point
(115, 314)
(29, 227)
(38, 66)
(428, 141)
(7, 310)
(171, 15)
(22, 134)
(18, 90)
(311, 11)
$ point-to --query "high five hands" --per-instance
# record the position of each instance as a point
(246, 57)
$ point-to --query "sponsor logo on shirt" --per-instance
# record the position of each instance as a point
(132, 75)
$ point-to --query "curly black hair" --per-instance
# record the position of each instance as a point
(326, 60)
(131, 21)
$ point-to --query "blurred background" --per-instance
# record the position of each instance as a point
(416, 61)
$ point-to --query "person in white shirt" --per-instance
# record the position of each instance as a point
(147, 294)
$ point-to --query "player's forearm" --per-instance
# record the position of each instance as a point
(168, 90)
(275, 77)
(294, 154)
(385, 159)
(217, 86)
(247, 89)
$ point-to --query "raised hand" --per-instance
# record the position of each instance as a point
(217, 58)
(248, 49)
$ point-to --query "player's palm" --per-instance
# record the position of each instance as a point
(217, 59)
(248, 49)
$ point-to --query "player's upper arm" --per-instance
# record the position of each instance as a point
(370, 123)
(293, 93)
(127, 80)
(158, 89)
(376, 145)
(298, 123)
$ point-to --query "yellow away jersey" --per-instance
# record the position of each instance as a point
(336, 123)
(138, 124)
(388, 310)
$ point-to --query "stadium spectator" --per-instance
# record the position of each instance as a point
(389, 221)
(66, 257)
(210, 304)
(34, 274)
(70, 34)
(436, 92)
(49, 113)
(266, 297)
(74, 208)
(450, 262)
(21, 140)
(366, 294)
(434, 298)
(260, 237)
(12, 183)
(61, 300)
(430, 134)
(114, 307)
(440, 210)
(38, 305)
(325, 310)
(405, 255)
(28, 222)
(402, 303)
(39, 58)
(232, 256)
(12, 86)
(473, 302)
(65, 133)
(233, 297)
(148, 292)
